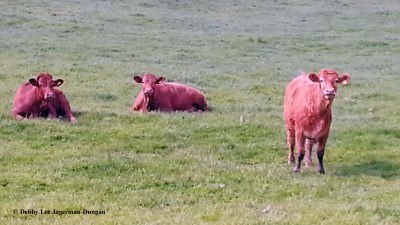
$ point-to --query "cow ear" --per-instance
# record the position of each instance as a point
(313, 77)
(344, 79)
(58, 82)
(138, 79)
(34, 82)
(160, 80)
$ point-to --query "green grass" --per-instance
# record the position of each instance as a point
(227, 166)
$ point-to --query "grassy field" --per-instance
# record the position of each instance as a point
(228, 166)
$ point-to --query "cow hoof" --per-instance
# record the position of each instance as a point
(321, 171)
(73, 120)
(308, 164)
(296, 170)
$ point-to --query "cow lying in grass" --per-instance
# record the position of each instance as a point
(308, 113)
(156, 94)
(39, 97)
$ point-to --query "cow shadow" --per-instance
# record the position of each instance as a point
(61, 115)
(77, 114)
(98, 114)
(377, 168)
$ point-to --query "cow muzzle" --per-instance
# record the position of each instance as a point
(329, 94)
(329, 97)
(148, 92)
(49, 96)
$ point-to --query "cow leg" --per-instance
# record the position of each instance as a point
(52, 111)
(320, 154)
(192, 109)
(32, 115)
(200, 106)
(21, 113)
(65, 107)
(300, 141)
(68, 113)
(18, 116)
(309, 144)
(195, 109)
(138, 104)
(291, 142)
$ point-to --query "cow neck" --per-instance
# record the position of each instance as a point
(319, 104)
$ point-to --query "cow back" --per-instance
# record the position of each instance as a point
(170, 96)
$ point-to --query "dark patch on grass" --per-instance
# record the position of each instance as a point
(33, 185)
(389, 132)
(238, 142)
(91, 113)
(266, 90)
(15, 127)
(105, 168)
(153, 203)
(146, 5)
(12, 20)
(105, 97)
(378, 168)
(4, 182)
(367, 139)
(289, 192)
(60, 138)
(373, 96)
(152, 148)
(74, 29)
(136, 14)
(165, 185)
(211, 217)
(368, 44)
(385, 212)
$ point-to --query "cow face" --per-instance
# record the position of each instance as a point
(45, 84)
(149, 83)
(328, 80)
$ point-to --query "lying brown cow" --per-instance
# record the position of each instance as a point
(39, 98)
(307, 112)
(166, 96)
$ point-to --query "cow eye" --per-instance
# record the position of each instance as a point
(321, 80)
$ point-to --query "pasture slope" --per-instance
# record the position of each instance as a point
(223, 167)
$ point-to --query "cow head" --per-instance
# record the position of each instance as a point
(45, 85)
(328, 80)
(149, 83)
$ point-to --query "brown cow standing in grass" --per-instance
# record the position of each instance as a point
(39, 98)
(308, 114)
(156, 94)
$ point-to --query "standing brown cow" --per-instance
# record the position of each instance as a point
(308, 113)
(39, 97)
(166, 96)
